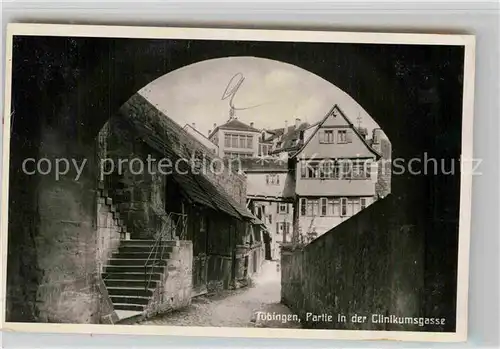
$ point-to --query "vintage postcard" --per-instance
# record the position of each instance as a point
(243, 183)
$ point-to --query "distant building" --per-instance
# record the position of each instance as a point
(236, 139)
(191, 129)
(268, 185)
(333, 174)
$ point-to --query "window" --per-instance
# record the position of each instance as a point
(236, 155)
(324, 203)
(273, 179)
(303, 203)
(270, 219)
(355, 206)
(283, 228)
(258, 212)
(227, 140)
(234, 141)
(325, 169)
(343, 206)
(342, 136)
(346, 169)
(282, 208)
(310, 169)
(361, 169)
(243, 141)
(336, 207)
(330, 208)
(327, 136)
(249, 142)
(363, 204)
(264, 149)
(312, 207)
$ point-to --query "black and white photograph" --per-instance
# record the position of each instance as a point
(262, 183)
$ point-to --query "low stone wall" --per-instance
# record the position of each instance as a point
(370, 264)
(176, 286)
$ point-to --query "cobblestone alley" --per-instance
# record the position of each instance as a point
(237, 308)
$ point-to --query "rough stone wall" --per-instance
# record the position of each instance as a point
(109, 231)
(176, 287)
(384, 168)
(369, 264)
(66, 242)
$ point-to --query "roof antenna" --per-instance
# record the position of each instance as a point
(230, 91)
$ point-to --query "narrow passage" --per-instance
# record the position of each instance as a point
(237, 308)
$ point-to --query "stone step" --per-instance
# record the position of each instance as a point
(137, 300)
(130, 283)
(138, 262)
(124, 306)
(142, 255)
(132, 249)
(129, 291)
(138, 242)
(133, 269)
(131, 276)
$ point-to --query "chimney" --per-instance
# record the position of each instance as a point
(363, 132)
(377, 134)
(194, 125)
(297, 123)
(286, 127)
(215, 125)
(209, 132)
(251, 124)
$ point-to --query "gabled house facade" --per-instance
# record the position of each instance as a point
(334, 172)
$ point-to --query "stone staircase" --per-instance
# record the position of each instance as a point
(129, 285)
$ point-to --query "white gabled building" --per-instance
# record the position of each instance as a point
(335, 173)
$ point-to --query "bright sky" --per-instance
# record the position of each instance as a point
(281, 92)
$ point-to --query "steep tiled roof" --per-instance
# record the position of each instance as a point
(290, 140)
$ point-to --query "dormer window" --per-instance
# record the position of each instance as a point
(342, 136)
(327, 136)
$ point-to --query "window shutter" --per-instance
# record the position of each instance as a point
(277, 227)
(278, 207)
(287, 208)
(349, 135)
(321, 136)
